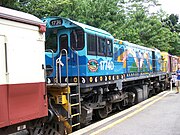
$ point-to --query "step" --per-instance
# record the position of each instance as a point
(76, 104)
(72, 95)
(74, 115)
(77, 124)
(61, 85)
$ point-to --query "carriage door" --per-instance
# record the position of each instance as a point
(64, 41)
(3, 83)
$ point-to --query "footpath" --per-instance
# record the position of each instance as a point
(159, 115)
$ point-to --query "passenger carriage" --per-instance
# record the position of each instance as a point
(23, 99)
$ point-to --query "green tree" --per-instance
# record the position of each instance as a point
(146, 29)
(42, 8)
(8, 3)
(171, 22)
(98, 13)
(125, 19)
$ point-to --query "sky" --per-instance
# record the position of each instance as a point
(170, 6)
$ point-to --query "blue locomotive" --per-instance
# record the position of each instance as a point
(104, 73)
(101, 57)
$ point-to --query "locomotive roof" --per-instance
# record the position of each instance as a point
(135, 45)
(88, 27)
(141, 47)
(68, 23)
(18, 16)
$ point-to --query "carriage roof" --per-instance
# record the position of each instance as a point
(18, 16)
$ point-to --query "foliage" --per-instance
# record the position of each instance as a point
(171, 22)
(41, 8)
(8, 3)
(125, 19)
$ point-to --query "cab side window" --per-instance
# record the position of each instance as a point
(91, 44)
(51, 42)
(101, 46)
(77, 39)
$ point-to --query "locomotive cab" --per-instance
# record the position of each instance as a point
(63, 40)
(77, 50)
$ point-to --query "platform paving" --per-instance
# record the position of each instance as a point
(161, 118)
(159, 115)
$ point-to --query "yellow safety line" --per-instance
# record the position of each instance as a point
(129, 115)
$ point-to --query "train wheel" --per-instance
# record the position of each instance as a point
(150, 94)
(119, 106)
(52, 128)
(101, 113)
(37, 127)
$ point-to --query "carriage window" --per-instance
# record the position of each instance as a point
(63, 40)
(51, 42)
(91, 44)
(101, 46)
(77, 39)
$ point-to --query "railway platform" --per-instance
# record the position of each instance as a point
(158, 115)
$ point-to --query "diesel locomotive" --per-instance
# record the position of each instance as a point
(58, 74)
